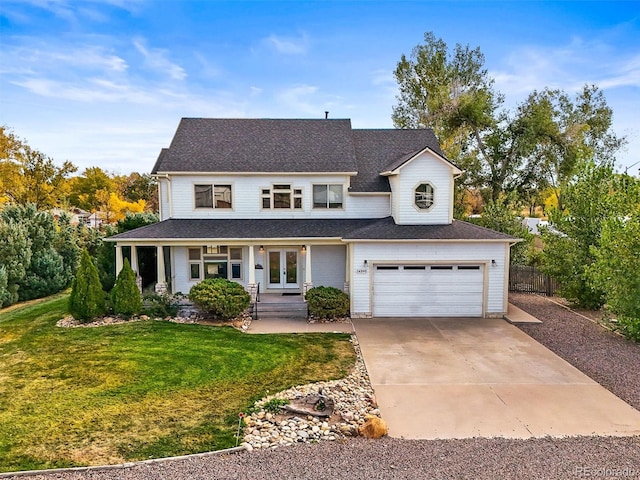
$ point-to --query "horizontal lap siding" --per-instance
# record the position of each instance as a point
(328, 265)
(473, 253)
(425, 168)
(247, 200)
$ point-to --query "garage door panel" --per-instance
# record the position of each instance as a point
(430, 290)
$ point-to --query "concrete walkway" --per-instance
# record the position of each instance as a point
(462, 378)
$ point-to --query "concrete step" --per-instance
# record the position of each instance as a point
(282, 310)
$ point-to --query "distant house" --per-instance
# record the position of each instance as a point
(290, 204)
(78, 216)
(534, 224)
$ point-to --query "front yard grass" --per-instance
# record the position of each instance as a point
(87, 396)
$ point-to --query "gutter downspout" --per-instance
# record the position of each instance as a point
(168, 179)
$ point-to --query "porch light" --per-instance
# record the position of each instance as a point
(261, 248)
(493, 263)
(304, 248)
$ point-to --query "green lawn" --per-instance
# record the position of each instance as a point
(86, 396)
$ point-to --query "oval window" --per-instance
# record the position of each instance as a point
(424, 196)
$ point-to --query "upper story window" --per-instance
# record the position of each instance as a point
(212, 196)
(327, 196)
(423, 196)
(282, 196)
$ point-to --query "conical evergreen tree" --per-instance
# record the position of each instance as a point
(125, 296)
(87, 299)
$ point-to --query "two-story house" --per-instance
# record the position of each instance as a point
(291, 204)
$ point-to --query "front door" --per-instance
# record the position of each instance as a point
(283, 268)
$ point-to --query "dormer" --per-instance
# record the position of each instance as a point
(422, 188)
(411, 167)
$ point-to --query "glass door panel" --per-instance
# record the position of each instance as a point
(291, 268)
(274, 268)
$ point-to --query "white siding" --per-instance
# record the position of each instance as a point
(247, 200)
(424, 168)
(328, 265)
(368, 206)
(449, 252)
(180, 271)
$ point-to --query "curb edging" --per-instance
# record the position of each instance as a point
(29, 473)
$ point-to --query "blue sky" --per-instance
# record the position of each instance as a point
(104, 83)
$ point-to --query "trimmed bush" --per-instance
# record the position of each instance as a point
(87, 299)
(220, 297)
(327, 302)
(125, 296)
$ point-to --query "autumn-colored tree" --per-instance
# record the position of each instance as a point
(84, 189)
(29, 176)
(113, 208)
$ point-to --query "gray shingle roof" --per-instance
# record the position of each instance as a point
(259, 145)
(348, 229)
(283, 145)
(378, 149)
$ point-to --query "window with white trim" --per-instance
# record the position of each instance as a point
(235, 261)
(212, 196)
(423, 196)
(195, 261)
(327, 196)
(281, 196)
(215, 261)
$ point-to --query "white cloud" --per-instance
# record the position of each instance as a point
(288, 45)
(568, 67)
(157, 59)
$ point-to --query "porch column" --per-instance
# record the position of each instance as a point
(118, 259)
(134, 266)
(134, 259)
(161, 285)
(252, 286)
(308, 283)
(252, 266)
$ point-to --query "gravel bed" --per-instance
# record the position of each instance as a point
(357, 458)
(606, 357)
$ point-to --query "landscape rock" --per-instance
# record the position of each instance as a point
(351, 400)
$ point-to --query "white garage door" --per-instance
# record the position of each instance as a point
(428, 290)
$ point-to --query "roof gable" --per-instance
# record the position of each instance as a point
(395, 167)
(259, 145)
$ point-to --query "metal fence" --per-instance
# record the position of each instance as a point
(526, 279)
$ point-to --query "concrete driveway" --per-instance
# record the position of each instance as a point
(461, 378)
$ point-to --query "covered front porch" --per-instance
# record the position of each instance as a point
(266, 267)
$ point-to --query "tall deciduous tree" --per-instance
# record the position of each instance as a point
(84, 189)
(537, 145)
(29, 176)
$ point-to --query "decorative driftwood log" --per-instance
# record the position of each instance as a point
(315, 405)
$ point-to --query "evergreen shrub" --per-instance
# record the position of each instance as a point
(125, 296)
(87, 299)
